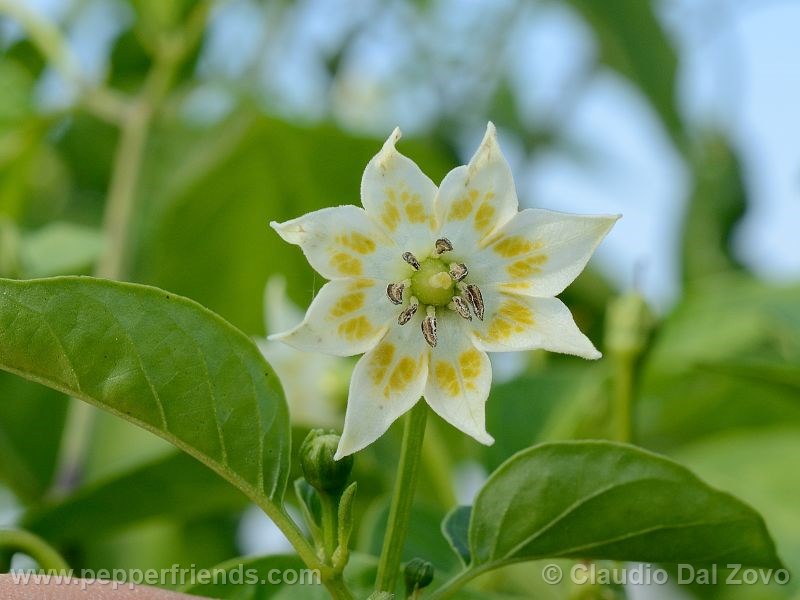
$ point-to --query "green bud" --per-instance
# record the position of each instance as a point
(325, 474)
(628, 325)
(418, 574)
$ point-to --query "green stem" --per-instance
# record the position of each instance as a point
(330, 578)
(437, 464)
(449, 589)
(45, 555)
(403, 498)
(329, 527)
(623, 398)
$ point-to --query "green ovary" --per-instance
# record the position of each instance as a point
(432, 284)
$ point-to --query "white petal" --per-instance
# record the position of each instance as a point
(459, 378)
(280, 313)
(476, 199)
(309, 381)
(342, 242)
(348, 316)
(386, 383)
(540, 252)
(515, 322)
(399, 197)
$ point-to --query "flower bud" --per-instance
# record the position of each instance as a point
(628, 325)
(418, 574)
(325, 474)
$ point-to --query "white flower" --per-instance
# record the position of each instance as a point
(312, 382)
(426, 281)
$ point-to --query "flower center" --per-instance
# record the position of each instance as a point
(432, 284)
(436, 284)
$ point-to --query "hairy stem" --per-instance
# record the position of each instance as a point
(45, 555)
(403, 498)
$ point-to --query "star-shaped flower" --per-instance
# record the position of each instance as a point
(426, 281)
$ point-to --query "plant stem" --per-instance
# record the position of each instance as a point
(437, 464)
(623, 398)
(35, 547)
(330, 578)
(403, 498)
(449, 589)
(329, 528)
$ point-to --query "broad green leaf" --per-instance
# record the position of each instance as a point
(603, 500)
(28, 462)
(160, 361)
(175, 487)
(455, 529)
(633, 42)
(758, 467)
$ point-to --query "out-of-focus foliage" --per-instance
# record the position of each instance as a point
(717, 388)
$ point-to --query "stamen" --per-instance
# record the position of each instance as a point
(458, 271)
(443, 245)
(475, 299)
(429, 327)
(395, 292)
(411, 259)
(408, 312)
(461, 307)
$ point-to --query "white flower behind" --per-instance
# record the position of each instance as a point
(426, 281)
(312, 382)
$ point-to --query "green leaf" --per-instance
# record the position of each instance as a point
(603, 500)
(753, 465)
(455, 528)
(60, 249)
(160, 361)
(29, 461)
(633, 42)
(718, 202)
(174, 487)
(687, 392)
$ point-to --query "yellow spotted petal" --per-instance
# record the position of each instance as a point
(347, 317)
(459, 378)
(342, 242)
(516, 322)
(540, 252)
(387, 382)
(476, 199)
(399, 197)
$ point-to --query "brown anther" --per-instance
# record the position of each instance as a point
(443, 245)
(458, 271)
(475, 299)
(429, 330)
(406, 315)
(411, 259)
(461, 307)
(395, 292)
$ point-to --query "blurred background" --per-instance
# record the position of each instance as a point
(153, 141)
